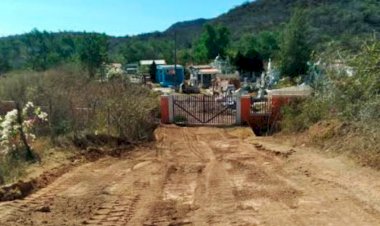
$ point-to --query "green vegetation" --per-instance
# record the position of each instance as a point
(179, 119)
(11, 169)
(60, 71)
(337, 23)
(78, 107)
(250, 63)
(344, 111)
(253, 50)
(266, 43)
(213, 41)
(74, 103)
(135, 49)
(351, 98)
(295, 51)
(152, 71)
(93, 53)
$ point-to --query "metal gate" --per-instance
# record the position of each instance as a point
(204, 110)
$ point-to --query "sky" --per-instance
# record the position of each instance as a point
(113, 17)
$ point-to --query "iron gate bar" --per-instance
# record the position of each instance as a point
(221, 112)
(203, 109)
(186, 111)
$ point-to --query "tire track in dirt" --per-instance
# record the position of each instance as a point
(68, 186)
(118, 212)
(107, 180)
(192, 143)
(204, 176)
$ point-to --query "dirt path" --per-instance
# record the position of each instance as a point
(206, 176)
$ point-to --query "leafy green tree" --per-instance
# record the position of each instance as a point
(4, 61)
(251, 63)
(295, 51)
(248, 43)
(66, 48)
(37, 50)
(185, 56)
(268, 43)
(134, 50)
(265, 43)
(152, 71)
(93, 52)
(213, 41)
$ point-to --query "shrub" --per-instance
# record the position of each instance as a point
(11, 168)
(180, 119)
(77, 105)
(124, 110)
(16, 130)
(350, 92)
(300, 114)
(349, 96)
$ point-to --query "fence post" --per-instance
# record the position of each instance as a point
(166, 109)
(245, 106)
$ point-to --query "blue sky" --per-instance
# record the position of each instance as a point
(114, 17)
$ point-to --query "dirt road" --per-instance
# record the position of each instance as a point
(206, 176)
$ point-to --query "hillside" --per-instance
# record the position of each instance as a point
(335, 18)
(342, 21)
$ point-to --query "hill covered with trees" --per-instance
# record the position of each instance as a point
(257, 24)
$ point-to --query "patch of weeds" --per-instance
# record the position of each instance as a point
(11, 168)
(180, 119)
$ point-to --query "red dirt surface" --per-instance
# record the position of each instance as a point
(206, 176)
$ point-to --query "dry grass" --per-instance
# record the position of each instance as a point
(11, 169)
(362, 145)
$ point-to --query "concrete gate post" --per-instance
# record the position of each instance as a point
(166, 109)
(245, 108)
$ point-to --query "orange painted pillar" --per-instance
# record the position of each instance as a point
(277, 103)
(245, 103)
(165, 115)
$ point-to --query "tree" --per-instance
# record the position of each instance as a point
(213, 41)
(93, 52)
(295, 51)
(268, 45)
(4, 64)
(153, 71)
(16, 130)
(251, 63)
(185, 56)
(37, 50)
(253, 50)
(66, 47)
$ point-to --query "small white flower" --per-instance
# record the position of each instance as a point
(31, 136)
(4, 151)
(43, 116)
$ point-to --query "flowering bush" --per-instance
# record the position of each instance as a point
(16, 130)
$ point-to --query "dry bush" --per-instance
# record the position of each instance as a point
(11, 169)
(77, 105)
(300, 114)
(122, 110)
(352, 100)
